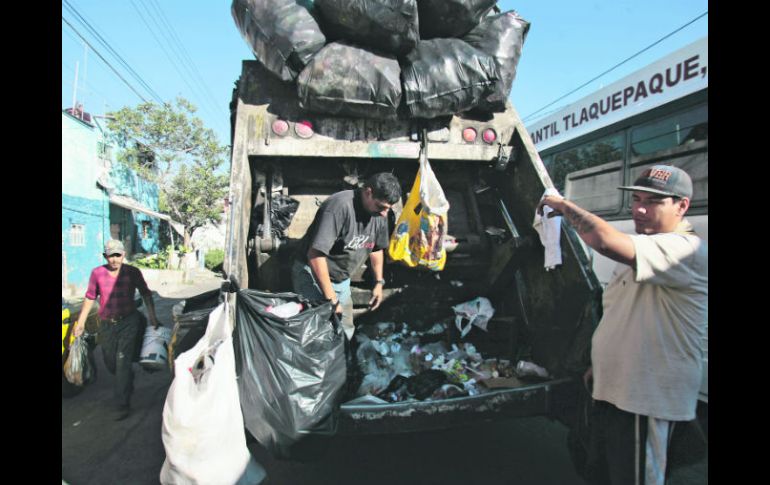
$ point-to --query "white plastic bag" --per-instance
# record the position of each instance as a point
(203, 430)
(477, 311)
(549, 230)
(431, 194)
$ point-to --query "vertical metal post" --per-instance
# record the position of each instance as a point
(85, 71)
(75, 88)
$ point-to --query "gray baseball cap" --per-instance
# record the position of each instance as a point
(114, 246)
(664, 180)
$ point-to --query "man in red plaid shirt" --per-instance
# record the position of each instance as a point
(121, 329)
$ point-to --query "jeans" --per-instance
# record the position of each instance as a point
(305, 284)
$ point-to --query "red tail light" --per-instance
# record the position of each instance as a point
(469, 135)
(489, 135)
(280, 127)
(303, 129)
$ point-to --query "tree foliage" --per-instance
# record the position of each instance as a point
(167, 144)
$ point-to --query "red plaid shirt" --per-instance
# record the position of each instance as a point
(116, 294)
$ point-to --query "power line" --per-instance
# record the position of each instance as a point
(89, 87)
(169, 56)
(197, 75)
(184, 59)
(618, 65)
(103, 59)
(112, 51)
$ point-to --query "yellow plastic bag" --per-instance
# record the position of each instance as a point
(418, 239)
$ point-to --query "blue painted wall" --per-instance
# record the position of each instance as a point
(80, 166)
(129, 183)
(83, 202)
(81, 259)
(86, 205)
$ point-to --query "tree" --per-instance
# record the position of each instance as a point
(168, 145)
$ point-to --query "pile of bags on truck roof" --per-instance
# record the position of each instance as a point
(387, 59)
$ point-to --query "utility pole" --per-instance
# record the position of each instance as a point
(75, 88)
(85, 67)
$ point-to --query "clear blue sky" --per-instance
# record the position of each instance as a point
(569, 43)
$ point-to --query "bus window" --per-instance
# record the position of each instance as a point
(547, 163)
(673, 131)
(589, 174)
(681, 140)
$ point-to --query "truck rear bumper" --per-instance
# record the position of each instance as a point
(531, 400)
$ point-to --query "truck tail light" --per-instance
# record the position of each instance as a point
(469, 135)
(280, 127)
(303, 129)
(489, 135)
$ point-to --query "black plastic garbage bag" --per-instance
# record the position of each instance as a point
(425, 383)
(451, 18)
(421, 386)
(290, 370)
(346, 80)
(282, 210)
(386, 25)
(445, 77)
(282, 34)
(502, 37)
(396, 390)
(193, 318)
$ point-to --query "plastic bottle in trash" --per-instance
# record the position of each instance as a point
(285, 310)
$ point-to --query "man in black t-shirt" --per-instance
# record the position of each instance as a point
(349, 227)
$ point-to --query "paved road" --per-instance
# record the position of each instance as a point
(97, 450)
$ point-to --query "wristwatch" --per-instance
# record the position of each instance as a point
(380, 282)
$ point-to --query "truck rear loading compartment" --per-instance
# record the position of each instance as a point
(546, 316)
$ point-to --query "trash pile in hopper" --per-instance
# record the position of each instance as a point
(400, 364)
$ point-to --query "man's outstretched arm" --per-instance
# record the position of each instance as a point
(595, 231)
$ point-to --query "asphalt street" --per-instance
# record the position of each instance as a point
(99, 450)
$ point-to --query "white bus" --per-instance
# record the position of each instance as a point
(657, 115)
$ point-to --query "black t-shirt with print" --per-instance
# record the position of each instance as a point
(345, 233)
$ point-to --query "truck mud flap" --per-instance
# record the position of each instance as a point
(532, 400)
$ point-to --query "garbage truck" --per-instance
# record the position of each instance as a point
(493, 179)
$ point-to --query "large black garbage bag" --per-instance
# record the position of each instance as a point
(446, 76)
(387, 25)
(343, 79)
(502, 37)
(290, 370)
(451, 18)
(282, 210)
(283, 34)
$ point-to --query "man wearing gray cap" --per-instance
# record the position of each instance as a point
(121, 325)
(646, 353)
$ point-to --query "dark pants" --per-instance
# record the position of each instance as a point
(121, 343)
(618, 447)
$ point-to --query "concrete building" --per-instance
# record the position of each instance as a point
(102, 199)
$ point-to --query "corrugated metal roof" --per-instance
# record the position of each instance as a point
(134, 205)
